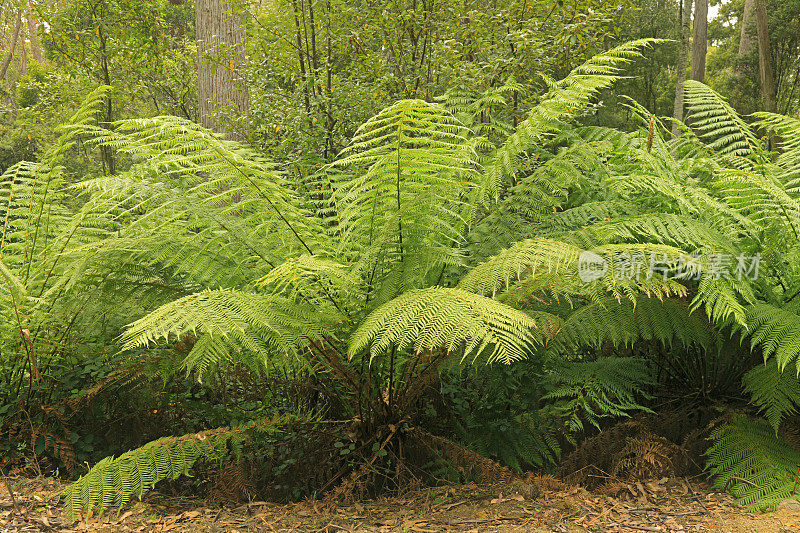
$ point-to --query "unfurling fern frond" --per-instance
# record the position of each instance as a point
(760, 467)
(114, 481)
(427, 319)
(775, 392)
(592, 390)
(566, 99)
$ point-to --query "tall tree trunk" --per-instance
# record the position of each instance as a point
(12, 45)
(109, 165)
(23, 55)
(684, 14)
(699, 40)
(747, 40)
(221, 61)
(768, 93)
(33, 35)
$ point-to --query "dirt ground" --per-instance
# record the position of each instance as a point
(676, 504)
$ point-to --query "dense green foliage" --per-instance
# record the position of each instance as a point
(448, 228)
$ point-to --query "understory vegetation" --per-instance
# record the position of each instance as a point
(473, 282)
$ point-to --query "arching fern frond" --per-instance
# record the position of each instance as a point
(621, 323)
(442, 318)
(759, 466)
(776, 393)
(719, 124)
(592, 390)
(266, 325)
(776, 331)
(114, 481)
(723, 300)
(525, 258)
(566, 99)
(788, 133)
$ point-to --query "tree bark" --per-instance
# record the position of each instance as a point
(684, 14)
(33, 35)
(747, 41)
(699, 40)
(221, 60)
(12, 45)
(768, 93)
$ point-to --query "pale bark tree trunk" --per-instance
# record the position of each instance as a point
(23, 55)
(33, 35)
(12, 45)
(221, 61)
(768, 93)
(699, 40)
(684, 17)
(747, 40)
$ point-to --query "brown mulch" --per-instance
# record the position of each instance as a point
(674, 504)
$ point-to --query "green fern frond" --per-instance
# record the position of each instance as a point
(621, 323)
(114, 481)
(776, 393)
(719, 124)
(227, 319)
(758, 196)
(523, 259)
(723, 299)
(776, 331)
(788, 134)
(659, 228)
(593, 390)
(566, 99)
(316, 280)
(412, 169)
(759, 466)
(589, 213)
(429, 319)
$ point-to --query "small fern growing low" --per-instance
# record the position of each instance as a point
(589, 391)
(759, 467)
